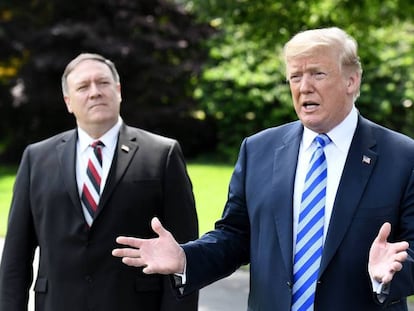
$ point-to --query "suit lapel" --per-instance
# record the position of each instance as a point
(125, 150)
(285, 161)
(357, 170)
(66, 152)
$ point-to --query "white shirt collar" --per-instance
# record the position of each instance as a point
(109, 138)
(341, 135)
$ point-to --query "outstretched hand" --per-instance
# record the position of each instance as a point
(158, 255)
(385, 259)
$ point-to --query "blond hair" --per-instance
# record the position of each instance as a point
(304, 43)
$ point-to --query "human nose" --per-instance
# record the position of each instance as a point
(306, 84)
(94, 90)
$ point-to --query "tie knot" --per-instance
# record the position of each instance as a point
(322, 140)
(97, 143)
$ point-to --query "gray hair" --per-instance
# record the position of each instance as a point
(87, 56)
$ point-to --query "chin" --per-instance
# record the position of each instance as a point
(314, 126)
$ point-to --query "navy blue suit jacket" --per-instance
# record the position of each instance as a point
(256, 226)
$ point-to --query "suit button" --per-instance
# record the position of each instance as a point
(288, 283)
(88, 279)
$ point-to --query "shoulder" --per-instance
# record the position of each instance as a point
(387, 136)
(53, 141)
(146, 137)
(278, 134)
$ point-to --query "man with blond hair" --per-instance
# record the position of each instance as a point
(321, 208)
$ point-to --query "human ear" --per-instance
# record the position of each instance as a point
(68, 105)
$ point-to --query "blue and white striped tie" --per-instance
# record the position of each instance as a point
(309, 239)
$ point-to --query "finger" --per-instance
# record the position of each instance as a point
(129, 241)
(126, 252)
(402, 256)
(388, 278)
(147, 270)
(384, 232)
(133, 262)
(400, 246)
(396, 266)
(158, 227)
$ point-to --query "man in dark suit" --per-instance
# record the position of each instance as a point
(72, 200)
(361, 210)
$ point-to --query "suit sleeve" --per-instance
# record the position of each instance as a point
(220, 252)
(402, 284)
(16, 272)
(180, 218)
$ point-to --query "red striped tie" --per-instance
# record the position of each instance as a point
(92, 184)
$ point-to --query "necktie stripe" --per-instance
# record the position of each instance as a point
(308, 244)
(313, 225)
(313, 181)
(309, 239)
(94, 176)
(91, 190)
(88, 200)
(305, 297)
(98, 152)
(315, 166)
(92, 183)
(305, 282)
(312, 202)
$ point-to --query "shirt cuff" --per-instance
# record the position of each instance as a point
(180, 279)
(382, 290)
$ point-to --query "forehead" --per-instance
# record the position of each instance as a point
(89, 69)
(317, 58)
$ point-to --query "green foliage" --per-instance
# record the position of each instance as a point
(243, 85)
(156, 46)
(160, 50)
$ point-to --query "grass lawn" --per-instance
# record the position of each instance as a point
(210, 185)
(7, 175)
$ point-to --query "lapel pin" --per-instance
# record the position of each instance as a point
(125, 148)
(366, 159)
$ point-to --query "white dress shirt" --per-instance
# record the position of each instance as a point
(84, 151)
(335, 153)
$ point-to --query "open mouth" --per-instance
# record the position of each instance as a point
(310, 105)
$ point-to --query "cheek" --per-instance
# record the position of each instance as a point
(295, 96)
(294, 91)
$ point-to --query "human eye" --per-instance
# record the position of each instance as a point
(295, 78)
(104, 82)
(81, 87)
(320, 75)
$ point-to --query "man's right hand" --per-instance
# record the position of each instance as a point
(158, 255)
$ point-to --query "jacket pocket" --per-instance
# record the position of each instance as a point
(41, 285)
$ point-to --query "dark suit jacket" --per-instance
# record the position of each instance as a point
(256, 226)
(76, 271)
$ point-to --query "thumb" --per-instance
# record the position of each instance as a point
(384, 232)
(158, 227)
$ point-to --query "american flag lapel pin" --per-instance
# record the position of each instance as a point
(366, 159)
(125, 148)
